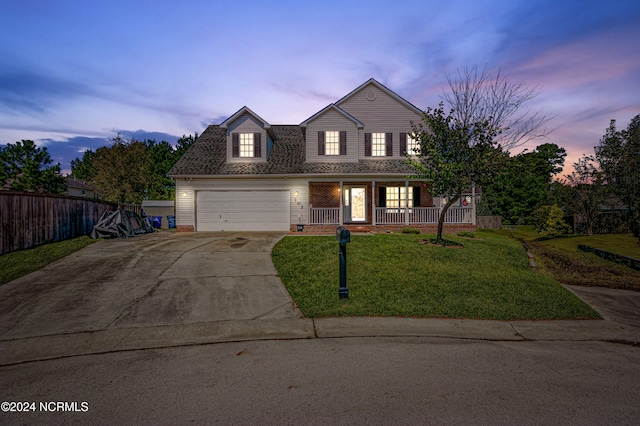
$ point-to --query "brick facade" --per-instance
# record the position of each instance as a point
(324, 194)
(327, 194)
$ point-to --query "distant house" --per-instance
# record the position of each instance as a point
(344, 165)
(80, 188)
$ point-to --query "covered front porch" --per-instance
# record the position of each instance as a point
(371, 204)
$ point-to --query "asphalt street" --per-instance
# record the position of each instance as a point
(402, 380)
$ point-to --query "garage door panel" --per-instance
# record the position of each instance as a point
(243, 210)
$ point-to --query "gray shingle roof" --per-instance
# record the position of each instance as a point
(207, 156)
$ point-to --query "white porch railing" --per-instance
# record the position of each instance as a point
(422, 215)
(391, 216)
(324, 216)
(459, 215)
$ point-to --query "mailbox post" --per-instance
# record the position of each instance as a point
(343, 236)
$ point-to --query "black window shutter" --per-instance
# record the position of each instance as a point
(382, 198)
(320, 143)
(403, 144)
(416, 196)
(389, 144)
(367, 144)
(235, 144)
(257, 144)
(343, 142)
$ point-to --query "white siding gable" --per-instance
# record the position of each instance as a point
(246, 123)
(331, 120)
(380, 112)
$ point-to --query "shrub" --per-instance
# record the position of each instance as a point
(549, 222)
(410, 231)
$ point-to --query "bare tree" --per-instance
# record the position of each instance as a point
(479, 95)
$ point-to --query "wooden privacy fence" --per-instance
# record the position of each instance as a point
(31, 219)
(491, 222)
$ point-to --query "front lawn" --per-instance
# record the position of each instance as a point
(560, 259)
(624, 244)
(18, 263)
(395, 275)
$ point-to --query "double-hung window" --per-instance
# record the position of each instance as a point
(332, 143)
(246, 145)
(408, 145)
(378, 145)
(396, 197)
(412, 145)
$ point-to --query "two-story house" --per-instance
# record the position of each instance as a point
(344, 165)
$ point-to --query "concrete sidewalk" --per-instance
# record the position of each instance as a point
(138, 338)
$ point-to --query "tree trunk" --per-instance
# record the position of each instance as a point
(443, 215)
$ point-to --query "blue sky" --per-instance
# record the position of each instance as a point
(73, 73)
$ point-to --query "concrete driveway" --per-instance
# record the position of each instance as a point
(164, 278)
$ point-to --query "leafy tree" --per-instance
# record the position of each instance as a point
(131, 170)
(479, 95)
(549, 222)
(587, 191)
(27, 167)
(453, 155)
(123, 171)
(183, 144)
(83, 168)
(618, 155)
(162, 157)
(523, 184)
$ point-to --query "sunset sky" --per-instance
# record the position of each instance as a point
(74, 73)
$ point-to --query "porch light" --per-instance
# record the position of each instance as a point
(184, 194)
(295, 193)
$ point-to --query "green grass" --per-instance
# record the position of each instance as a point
(19, 263)
(395, 275)
(560, 259)
(624, 244)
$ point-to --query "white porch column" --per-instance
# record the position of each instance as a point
(406, 202)
(341, 212)
(473, 202)
(373, 202)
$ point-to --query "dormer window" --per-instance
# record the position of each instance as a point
(246, 145)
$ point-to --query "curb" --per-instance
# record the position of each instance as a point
(43, 348)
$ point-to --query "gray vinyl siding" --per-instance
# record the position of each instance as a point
(384, 114)
(247, 124)
(332, 121)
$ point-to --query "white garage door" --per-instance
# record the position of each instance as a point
(243, 211)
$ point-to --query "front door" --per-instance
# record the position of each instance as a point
(357, 199)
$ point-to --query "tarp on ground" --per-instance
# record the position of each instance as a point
(120, 224)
